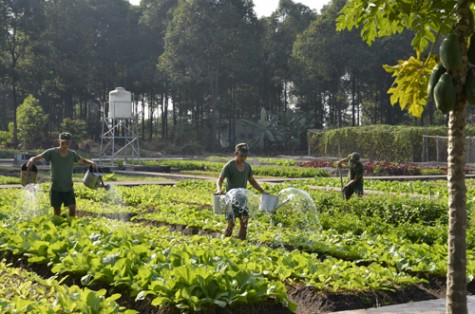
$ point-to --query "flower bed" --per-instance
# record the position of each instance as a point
(384, 168)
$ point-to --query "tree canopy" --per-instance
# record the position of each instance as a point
(428, 20)
(195, 65)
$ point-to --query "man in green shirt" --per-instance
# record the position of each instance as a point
(62, 160)
(237, 173)
(355, 175)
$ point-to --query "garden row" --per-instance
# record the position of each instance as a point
(294, 168)
(374, 243)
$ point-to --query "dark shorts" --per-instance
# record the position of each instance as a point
(236, 213)
(59, 198)
(351, 190)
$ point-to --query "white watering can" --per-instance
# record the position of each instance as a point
(219, 204)
(269, 203)
(93, 179)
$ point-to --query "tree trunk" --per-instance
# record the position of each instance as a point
(456, 268)
(151, 110)
(165, 115)
(456, 302)
(15, 122)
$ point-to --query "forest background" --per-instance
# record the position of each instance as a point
(195, 69)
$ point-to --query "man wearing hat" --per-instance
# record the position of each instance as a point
(62, 160)
(237, 173)
(355, 175)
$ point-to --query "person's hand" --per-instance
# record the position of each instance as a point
(29, 164)
(345, 188)
(94, 165)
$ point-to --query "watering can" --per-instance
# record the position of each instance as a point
(93, 179)
(219, 204)
(28, 176)
(269, 203)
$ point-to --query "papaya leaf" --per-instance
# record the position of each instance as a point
(409, 87)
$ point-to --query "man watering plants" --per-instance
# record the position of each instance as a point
(355, 176)
(237, 173)
(62, 160)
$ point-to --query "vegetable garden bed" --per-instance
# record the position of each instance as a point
(161, 249)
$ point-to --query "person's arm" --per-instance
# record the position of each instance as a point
(33, 160)
(219, 185)
(88, 162)
(255, 184)
(357, 177)
(342, 161)
(353, 181)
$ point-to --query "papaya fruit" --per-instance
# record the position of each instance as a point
(450, 53)
(435, 75)
(471, 50)
(471, 21)
(445, 95)
(470, 86)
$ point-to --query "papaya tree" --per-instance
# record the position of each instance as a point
(431, 21)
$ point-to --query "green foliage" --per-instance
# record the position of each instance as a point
(23, 292)
(368, 244)
(6, 137)
(409, 87)
(427, 20)
(262, 167)
(433, 171)
(376, 142)
(289, 172)
(77, 128)
(397, 16)
(32, 123)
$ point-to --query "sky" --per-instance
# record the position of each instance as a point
(266, 7)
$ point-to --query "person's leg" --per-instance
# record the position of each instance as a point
(349, 192)
(229, 228)
(360, 191)
(70, 201)
(56, 202)
(243, 227)
(57, 211)
(72, 210)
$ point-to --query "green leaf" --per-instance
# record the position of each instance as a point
(409, 87)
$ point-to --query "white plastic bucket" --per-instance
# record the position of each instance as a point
(219, 206)
(268, 203)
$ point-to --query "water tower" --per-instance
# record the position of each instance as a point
(119, 130)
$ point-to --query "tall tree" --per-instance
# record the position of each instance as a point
(280, 31)
(31, 123)
(156, 16)
(20, 21)
(71, 36)
(428, 19)
(210, 49)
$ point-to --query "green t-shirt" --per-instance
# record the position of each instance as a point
(61, 168)
(356, 170)
(235, 178)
